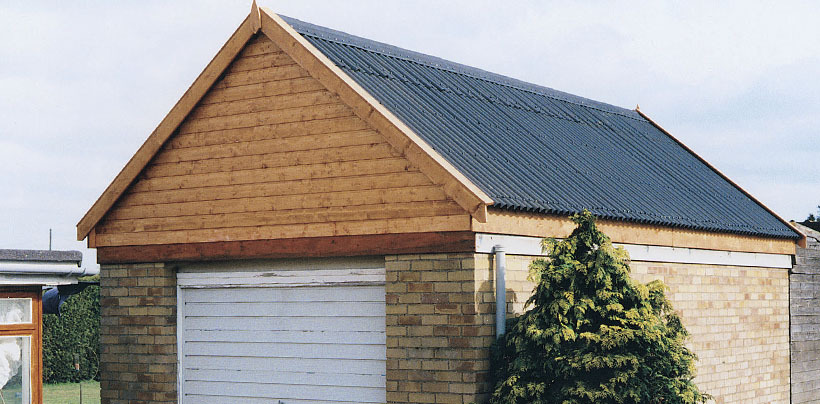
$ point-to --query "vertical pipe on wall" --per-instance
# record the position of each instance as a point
(500, 290)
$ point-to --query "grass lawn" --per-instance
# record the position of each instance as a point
(69, 393)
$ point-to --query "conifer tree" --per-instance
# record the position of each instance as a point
(592, 334)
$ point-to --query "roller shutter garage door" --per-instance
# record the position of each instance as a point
(282, 332)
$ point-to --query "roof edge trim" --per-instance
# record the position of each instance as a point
(800, 240)
(169, 124)
(455, 184)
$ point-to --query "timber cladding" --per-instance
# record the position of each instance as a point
(804, 285)
(270, 153)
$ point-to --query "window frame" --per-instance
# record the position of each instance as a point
(34, 330)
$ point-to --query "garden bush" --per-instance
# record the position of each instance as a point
(592, 334)
(76, 330)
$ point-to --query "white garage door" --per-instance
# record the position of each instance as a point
(309, 331)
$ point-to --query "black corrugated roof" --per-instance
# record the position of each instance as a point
(532, 148)
(41, 256)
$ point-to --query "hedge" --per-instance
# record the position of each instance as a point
(77, 330)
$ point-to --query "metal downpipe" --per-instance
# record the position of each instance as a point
(500, 291)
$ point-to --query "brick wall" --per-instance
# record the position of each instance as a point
(437, 329)
(738, 319)
(137, 334)
(440, 314)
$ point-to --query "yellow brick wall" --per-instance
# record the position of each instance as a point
(440, 316)
(738, 318)
(138, 334)
(438, 330)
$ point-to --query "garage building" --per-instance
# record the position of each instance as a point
(317, 220)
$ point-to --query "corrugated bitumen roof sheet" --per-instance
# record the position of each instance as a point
(532, 148)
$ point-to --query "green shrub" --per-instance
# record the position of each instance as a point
(592, 334)
(77, 330)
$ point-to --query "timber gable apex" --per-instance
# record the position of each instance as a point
(264, 22)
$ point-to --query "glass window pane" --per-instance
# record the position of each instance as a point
(15, 370)
(15, 311)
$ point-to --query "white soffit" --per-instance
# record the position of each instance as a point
(522, 245)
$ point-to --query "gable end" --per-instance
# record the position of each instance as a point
(270, 153)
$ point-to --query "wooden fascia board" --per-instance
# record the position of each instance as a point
(544, 225)
(364, 105)
(334, 246)
(801, 241)
(169, 124)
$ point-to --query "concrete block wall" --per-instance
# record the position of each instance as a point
(137, 334)
(804, 285)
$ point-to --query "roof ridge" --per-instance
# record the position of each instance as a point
(318, 31)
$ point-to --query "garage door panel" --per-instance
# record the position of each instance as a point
(288, 392)
(347, 379)
(284, 324)
(313, 337)
(300, 336)
(285, 309)
(282, 278)
(357, 366)
(285, 350)
(203, 399)
(306, 294)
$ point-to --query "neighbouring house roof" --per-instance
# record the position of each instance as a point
(41, 267)
(812, 225)
(532, 148)
(812, 232)
(41, 256)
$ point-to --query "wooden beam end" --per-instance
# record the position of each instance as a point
(480, 214)
(255, 17)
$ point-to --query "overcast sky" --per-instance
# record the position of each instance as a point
(83, 84)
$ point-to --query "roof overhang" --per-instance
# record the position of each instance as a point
(800, 240)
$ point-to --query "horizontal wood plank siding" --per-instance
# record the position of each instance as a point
(501, 221)
(304, 186)
(264, 132)
(270, 153)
